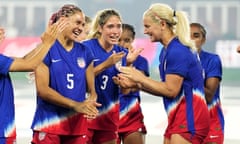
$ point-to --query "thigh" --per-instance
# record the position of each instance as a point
(135, 137)
(179, 139)
(110, 142)
(104, 137)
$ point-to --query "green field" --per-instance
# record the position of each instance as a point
(231, 76)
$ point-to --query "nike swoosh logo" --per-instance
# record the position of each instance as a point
(96, 60)
(214, 136)
(57, 60)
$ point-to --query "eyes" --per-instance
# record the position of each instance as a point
(126, 40)
(196, 35)
(110, 26)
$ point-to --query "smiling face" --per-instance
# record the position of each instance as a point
(111, 30)
(152, 29)
(76, 26)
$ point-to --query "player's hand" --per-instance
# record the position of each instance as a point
(53, 30)
(114, 58)
(133, 54)
(131, 73)
(88, 108)
(124, 82)
(92, 97)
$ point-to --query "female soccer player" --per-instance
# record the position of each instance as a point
(181, 73)
(131, 129)
(103, 40)
(62, 82)
(212, 67)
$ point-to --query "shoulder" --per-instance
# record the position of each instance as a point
(120, 48)
(79, 45)
(5, 63)
(141, 58)
(89, 42)
(175, 46)
(5, 59)
(210, 56)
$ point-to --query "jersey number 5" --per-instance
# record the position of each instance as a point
(70, 80)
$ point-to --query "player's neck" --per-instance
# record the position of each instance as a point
(66, 43)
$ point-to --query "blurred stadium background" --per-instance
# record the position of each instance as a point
(25, 20)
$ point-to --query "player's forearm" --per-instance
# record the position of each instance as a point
(208, 95)
(100, 68)
(156, 88)
(91, 80)
(35, 57)
(52, 96)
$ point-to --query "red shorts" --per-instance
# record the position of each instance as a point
(196, 138)
(101, 136)
(8, 140)
(215, 135)
(131, 122)
(47, 138)
(123, 135)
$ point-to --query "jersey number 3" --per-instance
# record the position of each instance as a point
(104, 82)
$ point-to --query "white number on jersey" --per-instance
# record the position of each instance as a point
(104, 82)
(70, 80)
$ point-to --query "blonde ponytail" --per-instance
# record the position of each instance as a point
(177, 21)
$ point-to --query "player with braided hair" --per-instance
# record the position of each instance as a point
(62, 82)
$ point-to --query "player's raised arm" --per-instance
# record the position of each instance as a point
(32, 59)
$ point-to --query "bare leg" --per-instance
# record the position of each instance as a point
(178, 139)
(166, 141)
(114, 141)
(135, 138)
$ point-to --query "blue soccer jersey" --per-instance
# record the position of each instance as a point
(7, 114)
(131, 117)
(187, 112)
(107, 90)
(68, 77)
(212, 67)
(127, 101)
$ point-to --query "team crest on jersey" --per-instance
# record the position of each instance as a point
(118, 65)
(81, 62)
(41, 136)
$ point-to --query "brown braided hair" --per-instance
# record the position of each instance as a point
(65, 11)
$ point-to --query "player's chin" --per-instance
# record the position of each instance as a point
(153, 39)
(113, 41)
(75, 37)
